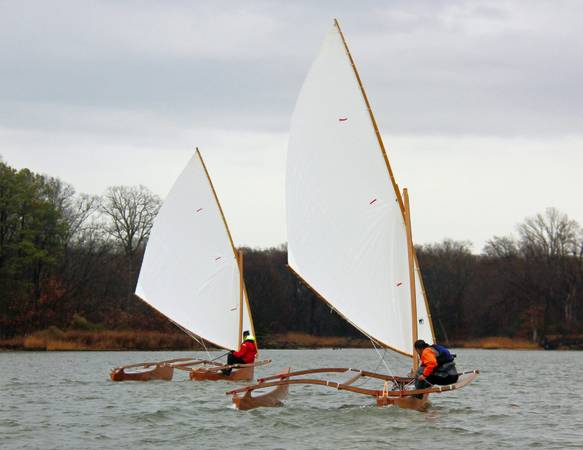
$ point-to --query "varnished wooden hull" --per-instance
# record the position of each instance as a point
(159, 372)
(410, 402)
(241, 374)
(270, 399)
(273, 398)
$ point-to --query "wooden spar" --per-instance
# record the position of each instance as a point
(241, 284)
(235, 252)
(364, 373)
(149, 364)
(385, 157)
(411, 277)
(372, 392)
(372, 118)
(217, 201)
(251, 324)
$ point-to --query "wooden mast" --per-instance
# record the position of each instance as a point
(241, 292)
(236, 254)
(372, 117)
(383, 149)
(411, 257)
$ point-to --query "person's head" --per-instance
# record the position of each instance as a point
(247, 336)
(420, 345)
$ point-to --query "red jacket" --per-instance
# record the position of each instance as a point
(247, 352)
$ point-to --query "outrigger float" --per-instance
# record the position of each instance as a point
(198, 370)
(193, 274)
(349, 234)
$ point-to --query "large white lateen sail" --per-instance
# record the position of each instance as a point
(346, 229)
(190, 271)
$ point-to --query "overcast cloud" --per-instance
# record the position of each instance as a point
(479, 103)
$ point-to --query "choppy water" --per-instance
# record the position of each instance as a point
(65, 401)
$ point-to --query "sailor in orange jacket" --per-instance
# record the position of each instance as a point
(245, 355)
(433, 369)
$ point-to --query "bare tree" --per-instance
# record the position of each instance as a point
(501, 247)
(549, 244)
(75, 209)
(549, 235)
(448, 270)
(131, 211)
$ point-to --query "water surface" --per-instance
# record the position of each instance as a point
(64, 400)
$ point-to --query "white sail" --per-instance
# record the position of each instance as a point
(190, 272)
(346, 231)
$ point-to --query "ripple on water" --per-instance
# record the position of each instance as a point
(53, 407)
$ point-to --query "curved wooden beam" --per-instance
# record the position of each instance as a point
(372, 392)
(196, 362)
(154, 363)
(364, 373)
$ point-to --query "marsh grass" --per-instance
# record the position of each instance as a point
(56, 339)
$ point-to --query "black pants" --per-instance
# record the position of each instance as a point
(432, 379)
(232, 359)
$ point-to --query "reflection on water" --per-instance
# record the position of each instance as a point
(64, 400)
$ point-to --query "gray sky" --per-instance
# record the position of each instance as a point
(479, 102)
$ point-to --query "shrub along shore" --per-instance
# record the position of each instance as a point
(54, 339)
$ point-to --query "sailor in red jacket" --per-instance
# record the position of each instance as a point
(245, 355)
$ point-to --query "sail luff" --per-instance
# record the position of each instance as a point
(235, 251)
(217, 201)
(388, 165)
(373, 120)
(346, 228)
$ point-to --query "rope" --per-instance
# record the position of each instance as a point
(382, 358)
(195, 337)
(220, 356)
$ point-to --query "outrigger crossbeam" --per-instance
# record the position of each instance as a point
(396, 394)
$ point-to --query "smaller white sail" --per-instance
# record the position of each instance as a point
(190, 272)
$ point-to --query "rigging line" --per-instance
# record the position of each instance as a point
(390, 372)
(200, 341)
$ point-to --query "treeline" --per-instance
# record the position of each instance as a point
(71, 260)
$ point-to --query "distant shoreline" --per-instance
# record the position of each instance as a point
(54, 339)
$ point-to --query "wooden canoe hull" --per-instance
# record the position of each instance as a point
(240, 374)
(159, 372)
(273, 398)
(270, 399)
(417, 404)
